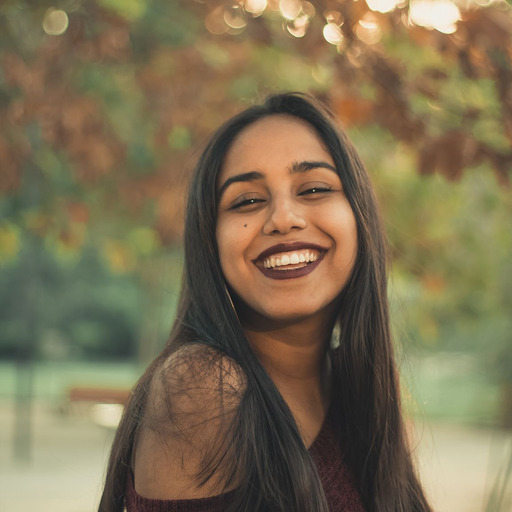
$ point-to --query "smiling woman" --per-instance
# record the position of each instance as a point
(281, 200)
(277, 390)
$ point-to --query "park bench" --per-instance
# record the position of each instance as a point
(82, 400)
(98, 395)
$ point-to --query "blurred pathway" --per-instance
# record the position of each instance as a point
(69, 455)
(68, 460)
(459, 465)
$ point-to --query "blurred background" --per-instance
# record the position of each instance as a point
(104, 107)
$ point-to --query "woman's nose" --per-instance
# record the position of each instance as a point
(283, 217)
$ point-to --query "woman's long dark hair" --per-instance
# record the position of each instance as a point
(274, 469)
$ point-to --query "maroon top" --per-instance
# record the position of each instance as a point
(336, 479)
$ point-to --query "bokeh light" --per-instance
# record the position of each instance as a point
(297, 16)
(299, 26)
(255, 7)
(235, 18)
(383, 5)
(332, 34)
(368, 29)
(290, 9)
(441, 15)
(334, 17)
(215, 22)
(308, 9)
(55, 22)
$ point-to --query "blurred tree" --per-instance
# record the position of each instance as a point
(81, 311)
(102, 95)
(434, 76)
(105, 100)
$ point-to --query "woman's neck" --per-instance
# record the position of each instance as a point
(295, 356)
(291, 352)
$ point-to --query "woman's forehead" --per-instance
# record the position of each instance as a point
(274, 139)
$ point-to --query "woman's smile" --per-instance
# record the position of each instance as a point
(289, 261)
(286, 233)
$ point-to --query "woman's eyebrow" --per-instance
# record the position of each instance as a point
(296, 167)
(306, 165)
(246, 176)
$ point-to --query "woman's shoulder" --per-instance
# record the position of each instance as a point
(198, 361)
(182, 447)
(196, 374)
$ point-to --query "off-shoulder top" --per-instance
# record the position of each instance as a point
(337, 481)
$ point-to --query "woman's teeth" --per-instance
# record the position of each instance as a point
(291, 258)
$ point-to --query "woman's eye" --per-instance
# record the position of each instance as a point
(319, 189)
(245, 202)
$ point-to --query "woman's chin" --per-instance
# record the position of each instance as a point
(282, 317)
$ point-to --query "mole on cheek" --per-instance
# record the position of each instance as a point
(245, 225)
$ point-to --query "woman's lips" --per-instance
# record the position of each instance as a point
(288, 261)
(291, 273)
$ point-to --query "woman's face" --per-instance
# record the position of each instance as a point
(286, 234)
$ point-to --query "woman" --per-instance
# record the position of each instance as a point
(277, 390)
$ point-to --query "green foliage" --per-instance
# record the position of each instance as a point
(451, 275)
(75, 310)
(163, 23)
(130, 9)
(179, 138)
(9, 243)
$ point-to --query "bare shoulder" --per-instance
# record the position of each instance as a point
(193, 400)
